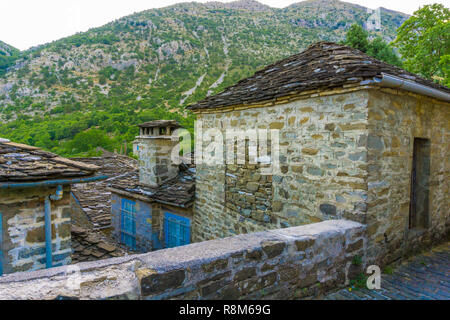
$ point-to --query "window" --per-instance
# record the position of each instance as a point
(1, 245)
(177, 230)
(420, 176)
(128, 223)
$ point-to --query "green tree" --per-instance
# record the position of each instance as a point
(424, 41)
(358, 38)
(88, 140)
(380, 50)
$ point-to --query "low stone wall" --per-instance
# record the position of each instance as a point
(288, 263)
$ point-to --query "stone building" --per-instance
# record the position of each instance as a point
(91, 209)
(35, 206)
(359, 139)
(152, 207)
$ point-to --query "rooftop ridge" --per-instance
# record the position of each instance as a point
(323, 65)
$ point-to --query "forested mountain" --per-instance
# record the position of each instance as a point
(8, 55)
(92, 88)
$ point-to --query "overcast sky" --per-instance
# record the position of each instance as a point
(26, 23)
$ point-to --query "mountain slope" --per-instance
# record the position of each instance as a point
(8, 55)
(151, 64)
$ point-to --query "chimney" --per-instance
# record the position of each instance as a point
(154, 146)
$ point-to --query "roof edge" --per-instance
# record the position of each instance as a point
(50, 183)
(390, 81)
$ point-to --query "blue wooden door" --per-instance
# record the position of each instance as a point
(128, 224)
(1, 245)
(177, 230)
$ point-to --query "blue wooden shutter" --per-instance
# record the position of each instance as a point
(128, 223)
(1, 244)
(177, 230)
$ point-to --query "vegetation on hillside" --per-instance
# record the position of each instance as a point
(93, 88)
(358, 38)
(8, 56)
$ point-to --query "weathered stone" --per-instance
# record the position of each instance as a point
(254, 255)
(219, 264)
(245, 274)
(277, 206)
(106, 246)
(159, 282)
(328, 209)
(273, 248)
(304, 244)
(310, 151)
(252, 186)
(374, 142)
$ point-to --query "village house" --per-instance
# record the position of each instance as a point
(91, 209)
(35, 206)
(359, 140)
(152, 208)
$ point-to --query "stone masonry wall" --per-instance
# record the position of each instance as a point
(24, 231)
(395, 119)
(289, 263)
(155, 165)
(323, 168)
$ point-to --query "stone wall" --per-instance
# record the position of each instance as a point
(155, 165)
(395, 119)
(323, 169)
(24, 231)
(291, 263)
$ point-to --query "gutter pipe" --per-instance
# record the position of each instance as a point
(47, 204)
(390, 81)
(48, 224)
(49, 183)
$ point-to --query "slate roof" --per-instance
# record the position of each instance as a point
(160, 123)
(88, 245)
(179, 191)
(94, 198)
(324, 65)
(23, 163)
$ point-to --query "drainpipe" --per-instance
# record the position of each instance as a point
(48, 224)
(390, 81)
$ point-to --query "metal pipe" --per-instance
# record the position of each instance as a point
(48, 224)
(1, 244)
(48, 233)
(391, 81)
(49, 183)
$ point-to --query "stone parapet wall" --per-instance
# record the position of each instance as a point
(288, 263)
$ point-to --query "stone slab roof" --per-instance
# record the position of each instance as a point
(324, 65)
(88, 245)
(23, 163)
(94, 198)
(179, 191)
(160, 123)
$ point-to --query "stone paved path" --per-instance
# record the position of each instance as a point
(424, 277)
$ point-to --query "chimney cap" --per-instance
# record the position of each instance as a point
(160, 123)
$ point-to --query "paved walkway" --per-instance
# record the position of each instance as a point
(424, 277)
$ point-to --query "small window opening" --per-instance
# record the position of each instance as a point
(420, 186)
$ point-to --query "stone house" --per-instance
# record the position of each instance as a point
(358, 139)
(151, 208)
(35, 206)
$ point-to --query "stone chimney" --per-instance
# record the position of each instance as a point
(154, 146)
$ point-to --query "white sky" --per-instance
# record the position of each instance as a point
(26, 23)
